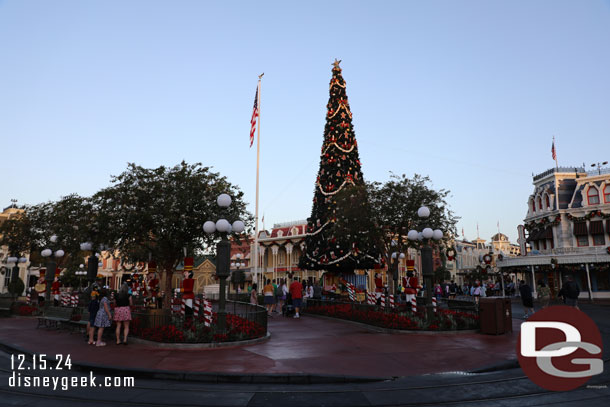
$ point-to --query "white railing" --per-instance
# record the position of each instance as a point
(569, 250)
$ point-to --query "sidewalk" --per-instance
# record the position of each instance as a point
(308, 345)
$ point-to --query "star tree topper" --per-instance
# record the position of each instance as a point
(336, 63)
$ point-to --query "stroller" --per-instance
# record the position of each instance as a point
(287, 308)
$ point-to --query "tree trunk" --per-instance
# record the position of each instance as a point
(169, 294)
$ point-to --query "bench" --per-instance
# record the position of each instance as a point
(55, 316)
(5, 305)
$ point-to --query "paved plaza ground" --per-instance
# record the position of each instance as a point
(401, 369)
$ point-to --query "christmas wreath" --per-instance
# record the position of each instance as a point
(450, 253)
(487, 258)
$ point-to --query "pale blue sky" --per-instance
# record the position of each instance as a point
(467, 92)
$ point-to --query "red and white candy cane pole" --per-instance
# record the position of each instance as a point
(370, 298)
(207, 312)
(391, 300)
(183, 307)
(29, 300)
(434, 303)
(383, 300)
(76, 299)
(196, 309)
(414, 304)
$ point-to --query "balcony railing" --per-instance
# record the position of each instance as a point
(569, 250)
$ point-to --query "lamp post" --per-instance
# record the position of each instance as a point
(223, 253)
(426, 255)
(237, 276)
(51, 266)
(81, 272)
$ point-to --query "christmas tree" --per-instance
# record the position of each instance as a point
(339, 169)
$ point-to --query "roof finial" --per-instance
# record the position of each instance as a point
(336, 64)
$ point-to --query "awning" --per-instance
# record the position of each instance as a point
(597, 227)
(580, 229)
(547, 233)
(534, 235)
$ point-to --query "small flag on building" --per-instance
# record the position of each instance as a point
(254, 117)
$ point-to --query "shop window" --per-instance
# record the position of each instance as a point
(593, 196)
(533, 206)
(582, 240)
(547, 201)
(602, 278)
(539, 203)
(543, 247)
(607, 194)
(599, 240)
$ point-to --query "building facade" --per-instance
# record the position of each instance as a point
(568, 230)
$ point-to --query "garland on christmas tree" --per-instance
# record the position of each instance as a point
(339, 168)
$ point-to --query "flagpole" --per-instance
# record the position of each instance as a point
(258, 152)
(556, 180)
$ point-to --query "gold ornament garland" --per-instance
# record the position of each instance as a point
(337, 190)
(344, 106)
(319, 230)
(336, 145)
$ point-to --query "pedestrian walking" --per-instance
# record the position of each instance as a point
(122, 314)
(94, 306)
(571, 291)
(296, 292)
(269, 296)
(526, 298)
(544, 294)
(103, 318)
(254, 294)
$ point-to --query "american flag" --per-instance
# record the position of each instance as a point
(254, 116)
(553, 151)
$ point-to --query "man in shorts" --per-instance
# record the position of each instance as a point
(296, 292)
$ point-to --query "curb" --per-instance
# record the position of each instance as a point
(395, 331)
(209, 377)
(195, 346)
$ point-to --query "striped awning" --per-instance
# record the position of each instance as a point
(596, 227)
(547, 233)
(580, 229)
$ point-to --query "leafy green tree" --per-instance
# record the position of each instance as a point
(16, 287)
(393, 207)
(157, 213)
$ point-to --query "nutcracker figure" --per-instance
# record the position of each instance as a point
(410, 282)
(378, 285)
(41, 287)
(187, 285)
(55, 290)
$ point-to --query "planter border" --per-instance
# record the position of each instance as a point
(395, 331)
(203, 345)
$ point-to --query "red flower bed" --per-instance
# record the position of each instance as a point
(27, 310)
(445, 319)
(193, 330)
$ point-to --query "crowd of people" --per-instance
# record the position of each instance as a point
(283, 294)
(106, 307)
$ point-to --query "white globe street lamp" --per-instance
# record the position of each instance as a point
(423, 212)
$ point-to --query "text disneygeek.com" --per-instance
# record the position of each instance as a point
(42, 362)
(65, 383)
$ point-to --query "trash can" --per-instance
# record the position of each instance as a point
(495, 315)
